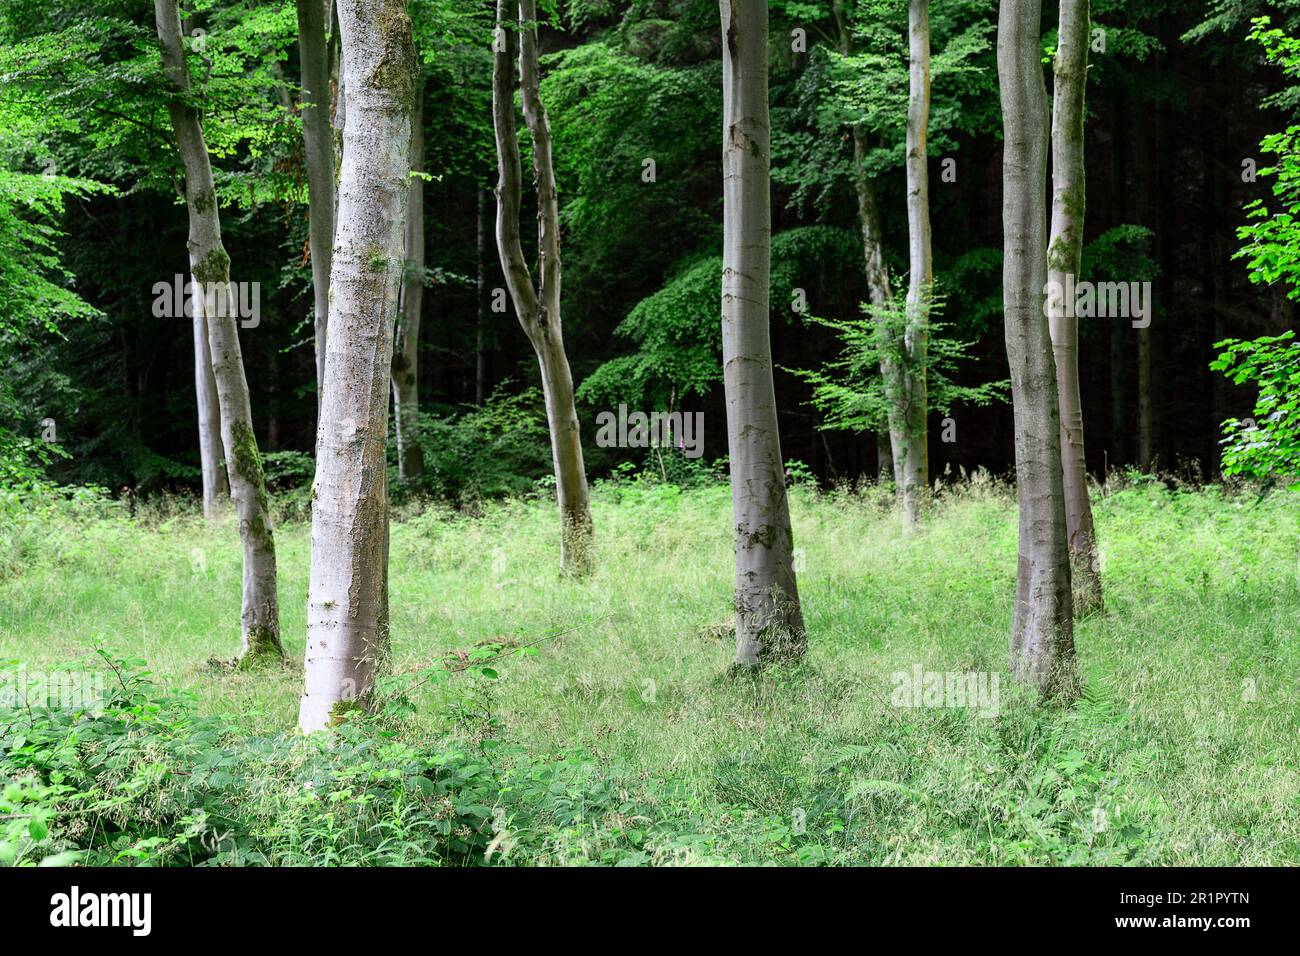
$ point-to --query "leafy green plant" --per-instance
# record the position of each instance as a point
(849, 391)
(1267, 446)
(146, 780)
(499, 448)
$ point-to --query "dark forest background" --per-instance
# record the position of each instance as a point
(1176, 106)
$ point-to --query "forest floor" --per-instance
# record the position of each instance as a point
(1183, 750)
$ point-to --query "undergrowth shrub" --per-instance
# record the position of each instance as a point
(494, 450)
(140, 778)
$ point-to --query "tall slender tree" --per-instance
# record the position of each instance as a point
(769, 619)
(914, 462)
(1065, 252)
(216, 486)
(483, 213)
(210, 268)
(902, 374)
(347, 602)
(406, 347)
(538, 308)
(318, 150)
(1042, 631)
(879, 292)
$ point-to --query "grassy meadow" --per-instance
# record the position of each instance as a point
(1183, 750)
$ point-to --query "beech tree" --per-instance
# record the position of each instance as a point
(879, 293)
(406, 346)
(347, 601)
(210, 268)
(902, 328)
(769, 620)
(1042, 630)
(1065, 254)
(913, 462)
(216, 486)
(538, 307)
(318, 150)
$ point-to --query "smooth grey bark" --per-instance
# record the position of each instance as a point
(881, 296)
(338, 107)
(210, 266)
(318, 149)
(538, 308)
(769, 619)
(1042, 631)
(347, 602)
(914, 464)
(406, 347)
(1065, 253)
(216, 486)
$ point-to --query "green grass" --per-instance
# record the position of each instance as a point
(1183, 750)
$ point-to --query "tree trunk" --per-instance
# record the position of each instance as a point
(1042, 635)
(216, 487)
(1065, 253)
(914, 465)
(539, 309)
(769, 620)
(1144, 176)
(879, 292)
(338, 109)
(1146, 430)
(406, 348)
(347, 602)
(210, 266)
(318, 149)
(1120, 347)
(480, 322)
(884, 456)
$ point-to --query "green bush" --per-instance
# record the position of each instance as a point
(143, 779)
(1267, 446)
(497, 449)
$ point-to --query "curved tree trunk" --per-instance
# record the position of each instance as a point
(769, 620)
(210, 266)
(1042, 631)
(216, 486)
(538, 309)
(318, 148)
(915, 461)
(347, 602)
(1065, 253)
(406, 347)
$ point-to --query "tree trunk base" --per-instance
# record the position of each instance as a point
(1085, 578)
(578, 545)
(1050, 671)
(772, 632)
(261, 647)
